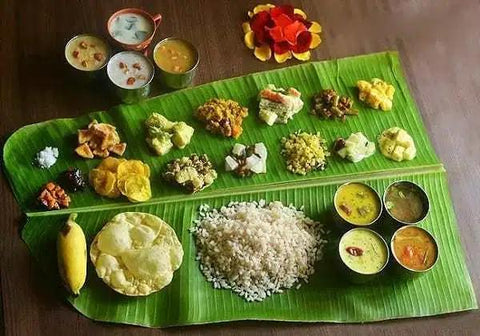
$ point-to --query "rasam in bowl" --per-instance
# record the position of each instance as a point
(177, 61)
(405, 203)
(363, 253)
(130, 73)
(356, 204)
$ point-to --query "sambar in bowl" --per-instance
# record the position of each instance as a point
(414, 249)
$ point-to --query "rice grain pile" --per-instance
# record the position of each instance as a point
(257, 249)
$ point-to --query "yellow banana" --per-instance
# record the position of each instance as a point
(72, 255)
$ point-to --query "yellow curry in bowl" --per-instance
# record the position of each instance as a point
(357, 203)
(175, 56)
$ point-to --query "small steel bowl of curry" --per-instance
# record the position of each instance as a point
(405, 203)
(363, 255)
(356, 204)
(414, 249)
(177, 61)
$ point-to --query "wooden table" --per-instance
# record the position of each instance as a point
(439, 45)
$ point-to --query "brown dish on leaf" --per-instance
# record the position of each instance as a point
(99, 139)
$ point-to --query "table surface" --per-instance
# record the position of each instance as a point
(439, 45)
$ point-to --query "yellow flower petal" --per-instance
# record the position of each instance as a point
(246, 27)
(261, 8)
(280, 58)
(263, 53)
(249, 40)
(305, 56)
(300, 12)
(315, 27)
(316, 40)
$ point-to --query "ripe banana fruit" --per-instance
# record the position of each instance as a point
(72, 255)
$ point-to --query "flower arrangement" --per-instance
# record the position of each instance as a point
(283, 31)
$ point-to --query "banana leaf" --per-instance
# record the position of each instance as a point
(342, 75)
(190, 299)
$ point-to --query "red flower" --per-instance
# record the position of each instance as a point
(302, 44)
(283, 29)
(283, 9)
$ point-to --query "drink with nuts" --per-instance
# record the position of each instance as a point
(131, 73)
(87, 52)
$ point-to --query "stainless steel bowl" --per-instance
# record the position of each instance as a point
(342, 223)
(175, 80)
(395, 222)
(403, 270)
(92, 74)
(134, 95)
(354, 276)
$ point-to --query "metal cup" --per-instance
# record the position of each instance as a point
(134, 95)
(155, 20)
(395, 222)
(84, 74)
(354, 276)
(174, 80)
(344, 224)
(402, 270)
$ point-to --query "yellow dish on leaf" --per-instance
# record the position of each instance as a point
(136, 253)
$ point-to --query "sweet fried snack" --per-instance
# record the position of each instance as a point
(99, 139)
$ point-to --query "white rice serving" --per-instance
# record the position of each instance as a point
(257, 249)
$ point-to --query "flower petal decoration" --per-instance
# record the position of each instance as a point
(281, 47)
(304, 40)
(261, 38)
(282, 30)
(261, 8)
(293, 30)
(315, 27)
(316, 40)
(276, 34)
(281, 58)
(246, 27)
(259, 21)
(300, 18)
(282, 20)
(263, 53)
(305, 56)
(249, 40)
(283, 9)
(300, 12)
